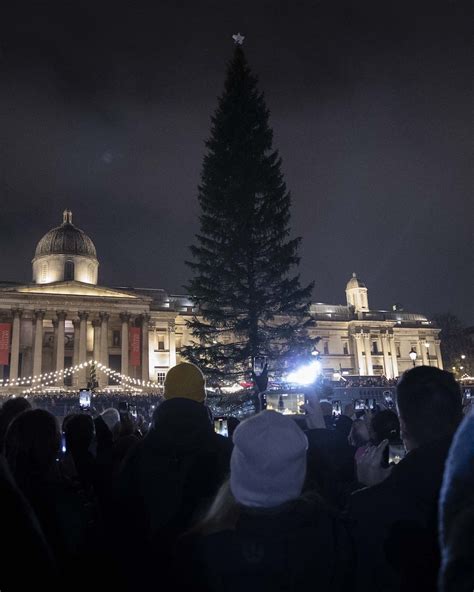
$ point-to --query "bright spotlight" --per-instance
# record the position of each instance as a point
(305, 374)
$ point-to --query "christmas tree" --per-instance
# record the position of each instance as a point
(249, 299)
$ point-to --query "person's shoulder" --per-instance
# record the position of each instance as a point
(366, 498)
(224, 443)
(319, 434)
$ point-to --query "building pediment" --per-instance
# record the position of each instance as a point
(73, 288)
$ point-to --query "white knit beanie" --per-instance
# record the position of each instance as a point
(268, 463)
(111, 417)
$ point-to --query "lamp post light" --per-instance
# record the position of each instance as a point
(413, 356)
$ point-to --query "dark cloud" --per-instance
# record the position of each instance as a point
(104, 108)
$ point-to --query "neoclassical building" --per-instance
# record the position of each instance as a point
(357, 340)
(64, 317)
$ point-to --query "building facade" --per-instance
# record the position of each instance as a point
(64, 318)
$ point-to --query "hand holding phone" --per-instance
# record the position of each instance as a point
(313, 411)
(370, 468)
(396, 453)
(85, 398)
(220, 426)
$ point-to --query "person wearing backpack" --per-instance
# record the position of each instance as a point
(169, 477)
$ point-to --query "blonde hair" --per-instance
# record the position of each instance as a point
(222, 514)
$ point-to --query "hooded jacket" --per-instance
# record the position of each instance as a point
(168, 479)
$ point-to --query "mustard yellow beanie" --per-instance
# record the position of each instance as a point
(185, 380)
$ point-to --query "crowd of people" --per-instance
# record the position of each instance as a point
(368, 381)
(379, 502)
(64, 403)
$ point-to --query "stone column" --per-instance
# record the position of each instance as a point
(125, 318)
(359, 358)
(96, 326)
(172, 343)
(393, 349)
(104, 345)
(104, 338)
(438, 353)
(387, 362)
(55, 324)
(38, 347)
(75, 357)
(15, 347)
(83, 316)
(61, 320)
(145, 348)
(27, 339)
(368, 354)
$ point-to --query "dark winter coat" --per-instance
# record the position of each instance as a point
(394, 524)
(167, 480)
(330, 464)
(69, 520)
(296, 547)
(26, 561)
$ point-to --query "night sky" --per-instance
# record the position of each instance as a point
(105, 106)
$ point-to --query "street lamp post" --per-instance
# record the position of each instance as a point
(260, 380)
(413, 356)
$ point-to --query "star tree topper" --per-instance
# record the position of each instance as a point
(238, 39)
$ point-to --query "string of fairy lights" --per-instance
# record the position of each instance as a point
(41, 382)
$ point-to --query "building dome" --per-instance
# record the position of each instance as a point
(354, 282)
(65, 254)
(66, 239)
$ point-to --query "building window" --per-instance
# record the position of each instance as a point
(69, 271)
(44, 273)
(397, 346)
(90, 273)
(160, 377)
(161, 342)
(326, 348)
(375, 348)
(345, 349)
(117, 341)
